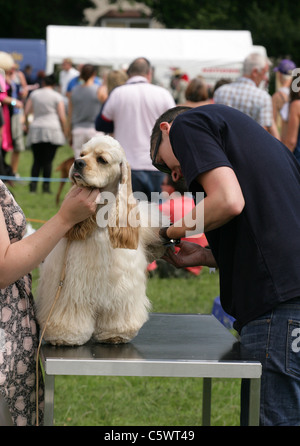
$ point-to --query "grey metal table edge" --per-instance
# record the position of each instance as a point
(206, 369)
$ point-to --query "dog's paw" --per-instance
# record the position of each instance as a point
(114, 340)
(67, 340)
(114, 337)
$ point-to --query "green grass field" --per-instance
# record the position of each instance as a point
(135, 401)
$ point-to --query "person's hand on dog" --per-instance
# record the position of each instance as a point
(190, 254)
(78, 205)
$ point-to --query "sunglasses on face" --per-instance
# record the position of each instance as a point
(160, 166)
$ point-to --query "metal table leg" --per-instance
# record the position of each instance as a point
(49, 400)
(254, 402)
(206, 402)
(250, 402)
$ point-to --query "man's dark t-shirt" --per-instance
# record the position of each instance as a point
(257, 252)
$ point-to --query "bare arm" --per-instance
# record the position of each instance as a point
(69, 119)
(224, 200)
(293, 126)
(28, 110)
(102, 94)
(19, 258)
(62, 117)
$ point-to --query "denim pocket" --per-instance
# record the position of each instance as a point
(255, 337)
(293, 348)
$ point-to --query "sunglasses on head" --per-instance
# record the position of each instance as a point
(160, 166)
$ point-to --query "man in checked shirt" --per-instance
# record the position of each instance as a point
(245, 95)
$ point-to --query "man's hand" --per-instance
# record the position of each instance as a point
(190, 254)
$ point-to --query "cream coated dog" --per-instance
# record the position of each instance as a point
(103, 296)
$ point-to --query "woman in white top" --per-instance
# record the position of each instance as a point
(47, 130)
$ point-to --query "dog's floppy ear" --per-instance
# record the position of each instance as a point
(123, 233)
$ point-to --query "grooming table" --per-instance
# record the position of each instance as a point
(168, 345)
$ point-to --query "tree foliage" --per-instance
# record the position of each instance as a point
(29, 18)
(274, 24)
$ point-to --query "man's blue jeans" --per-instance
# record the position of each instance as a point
(274, 339)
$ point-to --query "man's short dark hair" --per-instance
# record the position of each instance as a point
(167, 116)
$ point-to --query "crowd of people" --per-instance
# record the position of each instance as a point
(229, 165)
(87, 110)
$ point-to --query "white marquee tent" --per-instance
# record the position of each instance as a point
(213, 54)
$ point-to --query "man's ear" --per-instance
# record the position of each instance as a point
(165, 127)
(176, 174)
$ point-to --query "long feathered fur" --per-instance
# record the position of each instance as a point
(104, 292)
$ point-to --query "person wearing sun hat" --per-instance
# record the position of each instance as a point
(286, 66)
(280, 98)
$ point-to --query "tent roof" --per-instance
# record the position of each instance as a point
(168, 47)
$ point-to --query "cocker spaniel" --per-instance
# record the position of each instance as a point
(103, 296)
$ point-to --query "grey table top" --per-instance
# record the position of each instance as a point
(167, 345)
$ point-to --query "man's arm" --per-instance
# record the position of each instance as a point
(224, 200)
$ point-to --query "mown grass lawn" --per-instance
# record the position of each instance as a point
(135, 401)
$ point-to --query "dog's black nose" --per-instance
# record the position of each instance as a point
(79, 164)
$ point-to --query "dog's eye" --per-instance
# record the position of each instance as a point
(101, 160)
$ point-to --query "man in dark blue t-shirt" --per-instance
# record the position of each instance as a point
(251, 209)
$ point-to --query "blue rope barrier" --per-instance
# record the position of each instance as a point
(50, 180)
